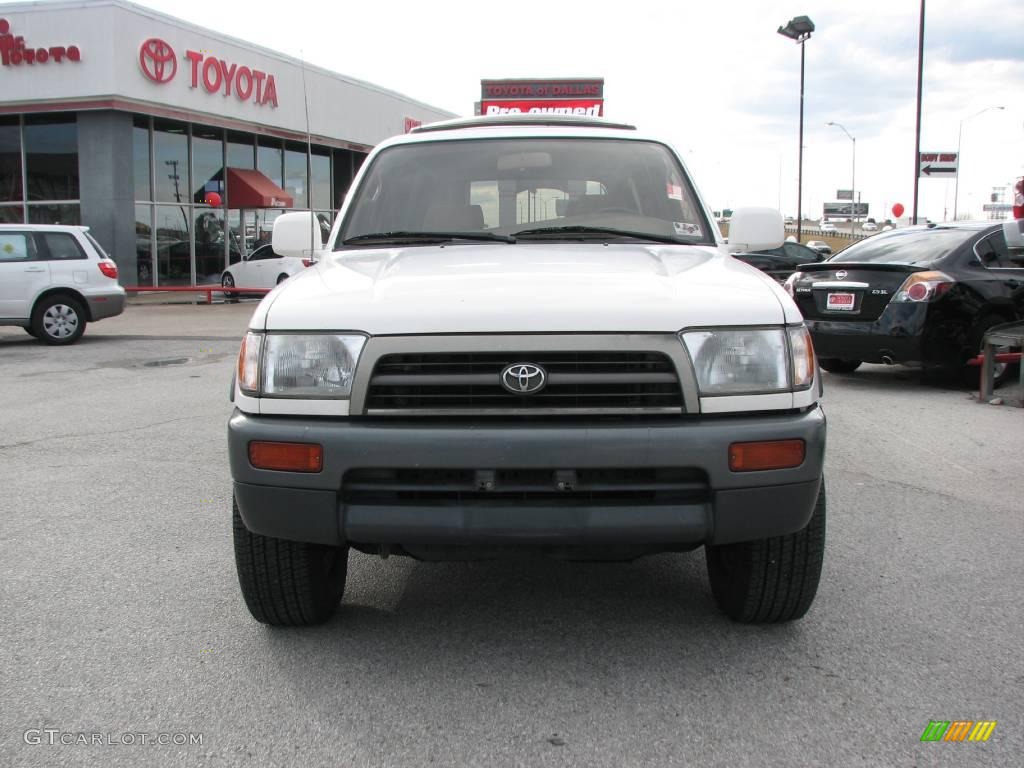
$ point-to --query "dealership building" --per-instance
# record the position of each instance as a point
(176, 145)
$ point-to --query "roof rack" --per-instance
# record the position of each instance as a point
(531, 119)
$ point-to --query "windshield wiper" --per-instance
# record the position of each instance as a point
(578, 230)
(407, 235)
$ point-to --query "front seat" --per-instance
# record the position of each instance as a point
(447, 217)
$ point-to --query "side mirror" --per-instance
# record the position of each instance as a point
(1013, 231)
(755, 229)
(298, 235)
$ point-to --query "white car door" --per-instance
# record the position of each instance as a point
(258, 268)
(23, 274)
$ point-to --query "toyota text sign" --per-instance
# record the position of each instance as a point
(557, 97)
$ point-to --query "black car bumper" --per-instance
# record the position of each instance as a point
(897, 336)
(554, 484)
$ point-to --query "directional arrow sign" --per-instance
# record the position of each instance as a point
(941, 164)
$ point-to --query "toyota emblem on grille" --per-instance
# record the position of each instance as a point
(841, 274)
(523, 378)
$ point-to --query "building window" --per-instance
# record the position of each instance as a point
(51, 157)
(241, 150)
(207, 162)
(10, 159)
(173, 245)
(144, 243)
(142, 168)
(270, 160)
(320, 183)
(12, 214)
(170, 153)
(295, 181)
(54, 213)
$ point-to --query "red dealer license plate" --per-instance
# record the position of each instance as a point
(840, 301)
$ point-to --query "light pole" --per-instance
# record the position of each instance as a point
(959, 136)
(799, 30)
(853, 180)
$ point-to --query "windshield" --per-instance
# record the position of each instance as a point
(909, 246)
(568, 189)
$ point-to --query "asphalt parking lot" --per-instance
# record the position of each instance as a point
(121, 611)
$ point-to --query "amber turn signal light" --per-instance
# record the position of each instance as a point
(770, 454)
(286, 457)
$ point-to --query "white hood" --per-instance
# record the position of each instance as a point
(525, 288)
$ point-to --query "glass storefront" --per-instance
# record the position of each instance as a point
(180, 239)
(10, 159)
(51, 157)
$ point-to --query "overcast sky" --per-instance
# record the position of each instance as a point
(713, 78)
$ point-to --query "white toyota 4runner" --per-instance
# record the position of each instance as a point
(526, 336)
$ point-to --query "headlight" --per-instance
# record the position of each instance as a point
(744, 361)
(319, 366)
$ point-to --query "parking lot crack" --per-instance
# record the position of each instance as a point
(105, 433)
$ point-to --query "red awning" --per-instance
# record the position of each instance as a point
(251, 189)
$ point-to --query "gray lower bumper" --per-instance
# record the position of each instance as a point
(106, 305)
(738, 507)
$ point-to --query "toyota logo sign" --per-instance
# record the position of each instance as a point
(158, 61)
(523, 378)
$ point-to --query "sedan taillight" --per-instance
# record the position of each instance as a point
(108, 268)
(308, 262)
(923, 286)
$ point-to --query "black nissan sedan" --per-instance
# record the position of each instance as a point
(922, 296)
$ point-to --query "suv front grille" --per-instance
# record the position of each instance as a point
(460, 383)
(526, 487)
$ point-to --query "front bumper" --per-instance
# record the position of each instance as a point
(735, 506)
(102, 305)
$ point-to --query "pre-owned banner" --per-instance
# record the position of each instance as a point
(588, 107)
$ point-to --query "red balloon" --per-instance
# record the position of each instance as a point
(213, 198)
(897, 210)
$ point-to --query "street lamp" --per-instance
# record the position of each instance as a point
(959, 136)
(799, 30)
(853, 180)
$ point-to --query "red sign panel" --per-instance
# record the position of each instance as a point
(14, 52)
(587, 107)
(411, 122)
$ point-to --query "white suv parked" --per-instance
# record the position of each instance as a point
(54, 280)
(526, 337)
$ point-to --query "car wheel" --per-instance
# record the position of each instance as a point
(287, 583)
(1004, 372)
(58, 320)
(837, 365)
(227, 281)
(769, 580)
(281, 278)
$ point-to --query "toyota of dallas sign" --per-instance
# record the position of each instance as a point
(553, 97)
(159, 63)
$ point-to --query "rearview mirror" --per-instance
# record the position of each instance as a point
(297, 235)
(755, 229)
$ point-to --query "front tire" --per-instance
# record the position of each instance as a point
(287, 583)
(837, 365)
(228, 282)
(769, 580)
(58, 320)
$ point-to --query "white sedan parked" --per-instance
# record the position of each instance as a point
(262, 269)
